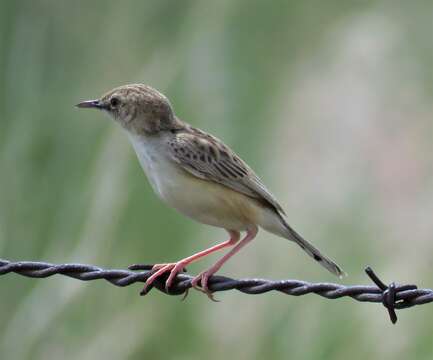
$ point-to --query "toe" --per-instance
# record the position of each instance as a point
(158, 266)
(195, 282)
(145, 289)
(177, 268)
(203, 287)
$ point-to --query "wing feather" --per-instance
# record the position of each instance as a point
(208, 158)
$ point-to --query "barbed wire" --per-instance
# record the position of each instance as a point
(393, 296)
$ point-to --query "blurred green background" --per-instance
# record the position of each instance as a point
(330, 102)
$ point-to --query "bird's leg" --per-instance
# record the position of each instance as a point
(177, 267)
(203, 277)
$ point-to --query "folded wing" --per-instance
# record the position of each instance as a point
(210, 159)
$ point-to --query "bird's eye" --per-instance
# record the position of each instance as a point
(114, 102)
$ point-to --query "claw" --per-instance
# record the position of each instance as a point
(145, 290)
(203, 278)
(185, 295)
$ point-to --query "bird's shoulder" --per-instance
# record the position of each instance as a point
(207, 157)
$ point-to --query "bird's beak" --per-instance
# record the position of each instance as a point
(94, 104)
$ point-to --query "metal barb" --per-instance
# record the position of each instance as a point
(392, 297)
(389, 293)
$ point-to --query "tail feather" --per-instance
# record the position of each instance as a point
(277, 225)
(314, 252)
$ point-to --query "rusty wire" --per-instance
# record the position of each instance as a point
(393, 296)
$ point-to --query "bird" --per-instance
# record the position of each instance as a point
(199, 176)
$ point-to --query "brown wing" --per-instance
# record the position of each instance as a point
(208, 158)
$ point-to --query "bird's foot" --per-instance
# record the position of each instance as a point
(160, 269)
(200, 283)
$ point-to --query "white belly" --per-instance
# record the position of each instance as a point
(204, 201)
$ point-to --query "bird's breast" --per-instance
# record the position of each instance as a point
(160, 171)
(205, 201)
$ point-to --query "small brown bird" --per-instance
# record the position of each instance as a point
(199, 176)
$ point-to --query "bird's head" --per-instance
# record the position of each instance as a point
(138, 108)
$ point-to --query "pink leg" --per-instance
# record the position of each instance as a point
(175, 268)
(204, 276)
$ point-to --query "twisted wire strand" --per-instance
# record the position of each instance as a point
(393, 297)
